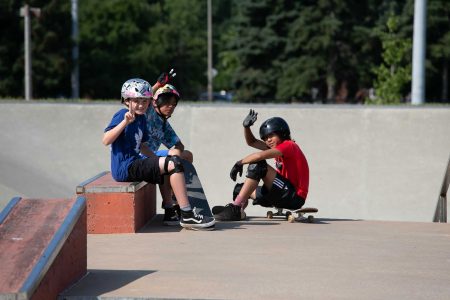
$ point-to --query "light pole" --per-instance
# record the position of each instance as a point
(25, 12)
(419, 41)
(75, 78)
(209, 71)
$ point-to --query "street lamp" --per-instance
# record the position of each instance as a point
(25, 12)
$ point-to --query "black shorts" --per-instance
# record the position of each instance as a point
(281, 195)
(146, 169)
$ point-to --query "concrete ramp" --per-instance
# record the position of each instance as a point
(42, 247)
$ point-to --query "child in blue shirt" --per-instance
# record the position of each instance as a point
(127, 133)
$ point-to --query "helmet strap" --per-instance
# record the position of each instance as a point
(163, 117)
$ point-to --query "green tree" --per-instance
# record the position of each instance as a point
(11, 50)
(112, 35)
(50, 49)
(260, 38)
(394, 74)
(331, 46)
(438, 50)
(225, 60)
(179, 41)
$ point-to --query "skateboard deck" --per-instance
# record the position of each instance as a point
(289, 214)
(195, 193)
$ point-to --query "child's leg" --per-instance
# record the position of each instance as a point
(186, 155)
(248, 188)
(166, 193)
(251, 183)
(189, 218)
(269, 178)
(177, 183)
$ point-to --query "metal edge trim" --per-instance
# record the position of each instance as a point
(8, 208)
(80, 189)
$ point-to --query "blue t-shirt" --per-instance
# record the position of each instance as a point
(125, 149)
(159, 133)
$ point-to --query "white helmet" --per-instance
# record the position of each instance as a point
(136, 88)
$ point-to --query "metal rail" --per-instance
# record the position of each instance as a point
(440, 214)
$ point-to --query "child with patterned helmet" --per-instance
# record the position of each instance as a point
(161, 133)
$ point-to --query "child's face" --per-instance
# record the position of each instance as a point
(168, 107)
(138, 105)
(272, 140)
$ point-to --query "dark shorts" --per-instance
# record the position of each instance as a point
(281, 195)
(146, 169)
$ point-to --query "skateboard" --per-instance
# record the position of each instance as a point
(196, 195)
(289, 214)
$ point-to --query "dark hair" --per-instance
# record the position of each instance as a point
(165, 98)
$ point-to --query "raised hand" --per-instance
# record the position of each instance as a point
(237, 169)
(129, 115)
(165, 78)
(250, 119)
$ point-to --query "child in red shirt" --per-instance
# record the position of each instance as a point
(284, 187)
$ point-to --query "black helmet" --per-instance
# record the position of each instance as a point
(275, 125)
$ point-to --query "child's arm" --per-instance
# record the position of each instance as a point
(179, 147)
(250, 139)
(261, 155)
(111, 135)
(252, 158)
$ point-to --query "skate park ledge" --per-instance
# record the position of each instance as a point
(117, 207)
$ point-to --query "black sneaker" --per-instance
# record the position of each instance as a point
(177, 209)
(217, 209)
(230, 212)
(171, 217)
(192, 220)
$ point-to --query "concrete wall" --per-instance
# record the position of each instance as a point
(378, 163)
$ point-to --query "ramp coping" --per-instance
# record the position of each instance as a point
(130, 187)
(5, 212)
(50, 253)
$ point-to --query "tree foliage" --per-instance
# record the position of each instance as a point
(330, 51)
(394, 74)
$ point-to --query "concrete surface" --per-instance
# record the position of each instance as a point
(366, 162)
(271, 259)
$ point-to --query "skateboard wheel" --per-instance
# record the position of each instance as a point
(310, 219)
(291, 218)
(288, 215)
(270, 215)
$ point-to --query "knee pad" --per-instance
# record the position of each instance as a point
(236, 190)
(257, 170)
(177, 165)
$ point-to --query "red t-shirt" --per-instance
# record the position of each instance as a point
(293, 166)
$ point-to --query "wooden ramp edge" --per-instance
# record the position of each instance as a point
(43, 247)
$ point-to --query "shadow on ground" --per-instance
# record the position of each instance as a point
(99, 282)
(156, 225)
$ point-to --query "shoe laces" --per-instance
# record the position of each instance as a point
(196, 215)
